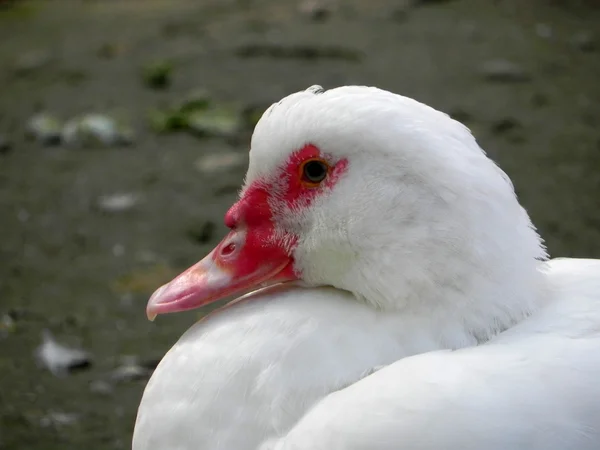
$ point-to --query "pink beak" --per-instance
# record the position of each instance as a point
(242, 262)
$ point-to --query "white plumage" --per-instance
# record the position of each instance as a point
(428, 252)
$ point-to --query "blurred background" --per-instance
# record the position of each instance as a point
(124, 133)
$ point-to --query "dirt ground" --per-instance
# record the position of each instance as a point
(84, 272)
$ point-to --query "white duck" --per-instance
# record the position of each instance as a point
(427, 248)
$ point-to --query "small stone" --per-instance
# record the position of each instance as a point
(157, 74)
(101, 387)
(60, 359)
(45, 129)
(117, 203)
(504, 71)
(584, 41)
(96, 130)
(58, 419)
(219, 162)
(130, 370)
(31, 62)
(202, 233)
(215, 122)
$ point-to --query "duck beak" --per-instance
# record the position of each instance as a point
(242, 262)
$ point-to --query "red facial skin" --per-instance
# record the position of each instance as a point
(255, 252)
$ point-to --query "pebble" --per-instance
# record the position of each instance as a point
(130, 370)
(44, 128)
(101, 387)
(117, 203)
(58, 419)
(60, 359)
(96, 130)
(504, 71)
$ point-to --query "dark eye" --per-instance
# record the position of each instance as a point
(314, 171)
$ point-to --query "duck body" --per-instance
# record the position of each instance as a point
(283, 370)
(533, 387)
(247, 374)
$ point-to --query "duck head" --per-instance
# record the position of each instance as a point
(376, 194)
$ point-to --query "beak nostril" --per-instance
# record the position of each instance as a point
(228, 249)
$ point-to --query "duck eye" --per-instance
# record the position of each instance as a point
(314, 171)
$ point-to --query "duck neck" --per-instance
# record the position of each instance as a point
(456, 304)
(463, 285)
